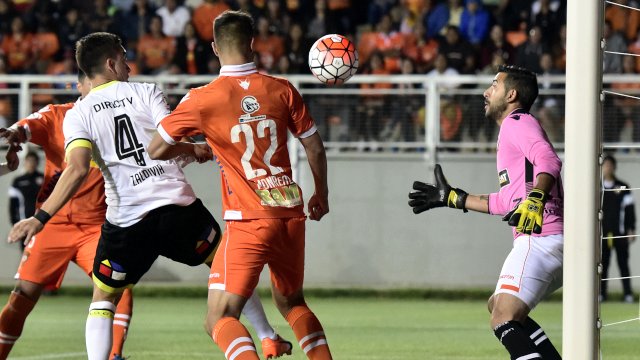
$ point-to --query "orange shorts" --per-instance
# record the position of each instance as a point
(248, 245)
(46, 257)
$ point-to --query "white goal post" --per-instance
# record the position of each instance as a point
(582, 149)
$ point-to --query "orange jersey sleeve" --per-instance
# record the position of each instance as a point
(88, 205)
(246, 119)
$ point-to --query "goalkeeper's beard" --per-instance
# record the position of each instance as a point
(495, 110)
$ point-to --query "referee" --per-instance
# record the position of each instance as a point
(619, 219)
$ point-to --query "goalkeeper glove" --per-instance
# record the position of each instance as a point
(527, 216)
(428, 196)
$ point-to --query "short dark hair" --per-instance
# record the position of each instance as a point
(609, 157)
(524, 81)
(33, 155)
(94, 49)
(233, 29)
(81, 75)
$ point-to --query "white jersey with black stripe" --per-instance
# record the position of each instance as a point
(120, 119)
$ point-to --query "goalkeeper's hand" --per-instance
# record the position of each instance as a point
(428, 196)
(527, 216)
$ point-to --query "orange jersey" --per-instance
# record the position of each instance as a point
(88, 205)
(245, 116)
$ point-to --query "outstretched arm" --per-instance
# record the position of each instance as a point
(159, 149)
(78, 163)
(429, 196)
(319, 202)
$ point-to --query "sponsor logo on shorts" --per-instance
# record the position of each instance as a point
(112, 270)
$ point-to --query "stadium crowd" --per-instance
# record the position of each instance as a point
(392, 37)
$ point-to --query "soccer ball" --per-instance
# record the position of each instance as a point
(333, 59)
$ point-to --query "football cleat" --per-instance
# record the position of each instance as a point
(275, 348)
(118, 357)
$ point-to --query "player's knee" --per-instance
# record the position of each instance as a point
(490, 304)
(30, 290)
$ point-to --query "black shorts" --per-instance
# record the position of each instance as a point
(186, 234)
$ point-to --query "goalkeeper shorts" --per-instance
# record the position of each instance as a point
(533, 268)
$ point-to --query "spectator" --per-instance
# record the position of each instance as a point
(278, 18)
(546, 17)
(401, 126)
(511, 13)
(46, 45)
(23, 192)
(629, 108)
(450, 111)
(192, 54)
(443, 15)
(269, 47)
(249, 7)
(318, 25)
(71, 30)
(297, 50)
(614, 42)
(619, 219)
(18, 48)
(100, 18)
(203, 17)
(372, 111)
(155, 50)
(528, 54)
(496, 43)
(7, 14)
(420, 49)
(624, 20)
(474, 22)
(133, 24)
(454, 48)
(377, 9)
(559, 49)
(174, 18)
(389, 43)
(550, 108)
(339, 12)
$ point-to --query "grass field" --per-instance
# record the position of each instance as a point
(367, 328)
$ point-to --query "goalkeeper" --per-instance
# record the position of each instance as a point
(530, 200)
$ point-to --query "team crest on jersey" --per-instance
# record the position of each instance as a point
(112, 270)
(503, 178)
(250, 105)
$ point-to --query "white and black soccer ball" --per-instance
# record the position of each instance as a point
(333, 59)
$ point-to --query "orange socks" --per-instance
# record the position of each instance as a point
(234, 340)
(309, 333)
(12, 321)
(121, 321)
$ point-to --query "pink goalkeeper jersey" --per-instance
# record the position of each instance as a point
(524, 151)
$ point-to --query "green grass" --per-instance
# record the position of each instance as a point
(365, 328)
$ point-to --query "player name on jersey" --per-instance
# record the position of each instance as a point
(144, 174)
(112, 104)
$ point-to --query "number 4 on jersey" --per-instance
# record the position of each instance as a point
(127, 144)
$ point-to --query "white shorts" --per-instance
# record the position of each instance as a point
(533, 268)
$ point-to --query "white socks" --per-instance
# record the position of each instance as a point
(98, 332)
(254, 312)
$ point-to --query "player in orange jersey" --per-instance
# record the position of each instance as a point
(245, 117)
(71, 235)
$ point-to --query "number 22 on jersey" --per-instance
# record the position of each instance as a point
(272, 190)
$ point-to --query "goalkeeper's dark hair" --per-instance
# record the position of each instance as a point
(94, 49)
(523, 81)
(233, 30)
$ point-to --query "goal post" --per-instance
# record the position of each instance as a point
(581, 202)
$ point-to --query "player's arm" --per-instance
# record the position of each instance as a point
(159, 149)
(429, 196)
(78, 164)
(317, 157)
(527, 216)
